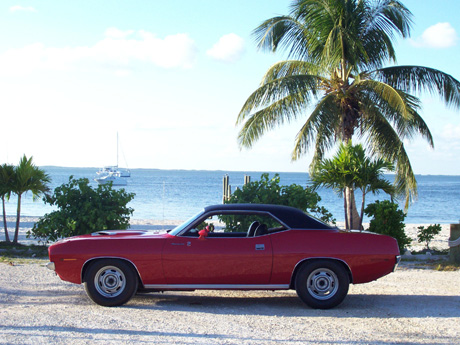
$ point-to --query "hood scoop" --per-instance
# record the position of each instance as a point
(118, 232)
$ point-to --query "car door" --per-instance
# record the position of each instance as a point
(217, 260)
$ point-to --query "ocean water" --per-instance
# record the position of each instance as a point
(178, 194)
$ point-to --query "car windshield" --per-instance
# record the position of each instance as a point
(182, 226)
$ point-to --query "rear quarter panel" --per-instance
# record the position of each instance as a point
(369, 256)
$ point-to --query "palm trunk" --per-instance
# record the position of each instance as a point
(18, 217)
(362, 212)
(352, 218)
(345, 209)
(7, 237)
(350, 208)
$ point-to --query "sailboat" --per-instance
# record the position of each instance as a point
(118, 176)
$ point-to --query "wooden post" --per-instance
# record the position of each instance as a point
(229, 192)
(247, 179)
(225, 189)
(454, 243)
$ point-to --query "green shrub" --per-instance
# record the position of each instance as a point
(82, 210)
(427, 235)
(269, 191)
(388, 219)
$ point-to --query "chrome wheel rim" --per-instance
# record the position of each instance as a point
(322, 283)
(110, 281)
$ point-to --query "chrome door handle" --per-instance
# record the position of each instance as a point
(260, 246)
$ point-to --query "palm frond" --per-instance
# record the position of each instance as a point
(284, 94)
(288, 68)
(385, 142)
(321, 124)
(398, 107)
(383, 92)
(417, 79)
(288, 34)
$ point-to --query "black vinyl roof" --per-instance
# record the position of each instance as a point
(292, 217)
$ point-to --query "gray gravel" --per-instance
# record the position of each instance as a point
(411, 306)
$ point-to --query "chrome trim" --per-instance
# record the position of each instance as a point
(323, 258)
(218, 286)
(108, 257)
(398, 260)
(51, 266)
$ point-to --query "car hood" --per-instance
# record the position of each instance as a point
(117, 234)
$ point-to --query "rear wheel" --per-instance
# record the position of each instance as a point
(110, 282)
(322, 284)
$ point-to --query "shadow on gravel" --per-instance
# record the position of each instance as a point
(73, 334)
(381, 306)
(38, 297)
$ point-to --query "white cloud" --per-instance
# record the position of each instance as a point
(451, 132)
(441, 35)
(117, 33)
(118, 49)
(229, 48)
(22, 8)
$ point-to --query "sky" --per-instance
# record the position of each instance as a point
(170, 77)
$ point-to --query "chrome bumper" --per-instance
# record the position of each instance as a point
(50, 266)
(398, 259)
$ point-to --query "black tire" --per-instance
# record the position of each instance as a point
(322, 284)
(110, 282)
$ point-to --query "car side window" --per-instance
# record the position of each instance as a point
(237, 224)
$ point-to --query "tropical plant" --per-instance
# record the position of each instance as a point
(269, 191)
(336, 76)
(350, 169)
(6, 181)
(427, 234)
(28, 178)
(388, 219)
(82, 210)
(370, 179)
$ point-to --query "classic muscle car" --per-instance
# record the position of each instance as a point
(232, 246)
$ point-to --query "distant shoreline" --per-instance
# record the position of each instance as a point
(218, 170)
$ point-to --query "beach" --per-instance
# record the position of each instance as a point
(440, 241)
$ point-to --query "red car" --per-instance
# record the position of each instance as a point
(233, 246)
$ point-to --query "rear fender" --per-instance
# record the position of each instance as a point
(308, 260)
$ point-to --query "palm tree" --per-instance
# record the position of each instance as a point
(336, 76)
(351, 169)
(6, 181)
(337, 173)
(28, 177)
(370, 179)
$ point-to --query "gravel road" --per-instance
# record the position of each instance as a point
(411, 306)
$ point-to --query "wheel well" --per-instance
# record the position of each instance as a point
(305, 261)
(88, 263)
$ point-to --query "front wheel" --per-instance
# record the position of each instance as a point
(322, 284)
(110, 282)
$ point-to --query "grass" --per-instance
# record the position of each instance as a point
(19, 253)
(433, 251)
(447, 266)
